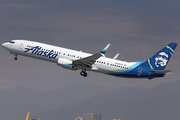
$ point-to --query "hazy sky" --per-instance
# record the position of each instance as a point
(136, 29)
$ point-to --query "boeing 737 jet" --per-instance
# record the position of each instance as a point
(74, 60)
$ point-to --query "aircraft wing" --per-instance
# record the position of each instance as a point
(87, 62)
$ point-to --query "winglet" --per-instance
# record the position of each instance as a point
(27, 117)
(115, 57)
(105, 49)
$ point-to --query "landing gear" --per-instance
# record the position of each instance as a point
(83, 73)
(15, 58)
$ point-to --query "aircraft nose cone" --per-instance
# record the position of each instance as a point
(4, 45)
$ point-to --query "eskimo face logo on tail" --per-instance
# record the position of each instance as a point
(161, 59)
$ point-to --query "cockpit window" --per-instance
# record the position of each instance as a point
(11, 42)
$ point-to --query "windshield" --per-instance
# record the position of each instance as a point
(11, 42)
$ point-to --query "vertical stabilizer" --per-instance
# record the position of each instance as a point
(161, 59)
(27, 117)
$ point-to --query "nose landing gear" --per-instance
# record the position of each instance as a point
(83, 73)
(15, 58)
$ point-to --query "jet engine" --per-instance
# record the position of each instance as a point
(65, 63)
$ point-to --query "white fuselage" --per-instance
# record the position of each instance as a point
(74, 60)
(53, 53)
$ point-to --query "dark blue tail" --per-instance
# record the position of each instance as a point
(161, 59)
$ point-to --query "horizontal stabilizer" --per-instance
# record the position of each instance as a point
(161, 71)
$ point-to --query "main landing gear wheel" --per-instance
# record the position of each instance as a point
(83, 73)
(15, 58)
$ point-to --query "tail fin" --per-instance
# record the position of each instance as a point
(27, 117)
(161, 59)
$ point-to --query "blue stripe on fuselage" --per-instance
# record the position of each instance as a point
(124, 71)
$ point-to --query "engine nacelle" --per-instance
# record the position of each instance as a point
(65, 63)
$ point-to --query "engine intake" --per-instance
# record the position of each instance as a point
(65, 63)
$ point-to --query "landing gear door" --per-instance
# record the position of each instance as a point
(139, 71)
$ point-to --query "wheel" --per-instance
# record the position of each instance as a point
(83, 73)
(15, 58)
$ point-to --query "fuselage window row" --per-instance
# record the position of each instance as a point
(80, 58)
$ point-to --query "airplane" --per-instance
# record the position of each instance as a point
(153, 67)
(27, 117)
